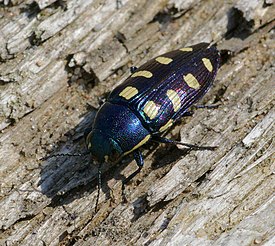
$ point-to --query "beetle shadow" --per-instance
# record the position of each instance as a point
(63, 177)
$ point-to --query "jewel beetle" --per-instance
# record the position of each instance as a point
(149, 101)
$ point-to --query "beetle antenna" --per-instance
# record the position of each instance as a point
(98, 185)
(64, 154)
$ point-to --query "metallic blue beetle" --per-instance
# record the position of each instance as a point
(156, 95)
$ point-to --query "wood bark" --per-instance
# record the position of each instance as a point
(59, 59)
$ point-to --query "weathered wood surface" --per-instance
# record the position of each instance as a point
(56, 57)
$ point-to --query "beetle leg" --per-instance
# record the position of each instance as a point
(207, 106)
(188, 113)
(139, 160)
(190, 146)
(133, 69)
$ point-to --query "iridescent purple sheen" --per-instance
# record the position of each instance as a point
(167, 77)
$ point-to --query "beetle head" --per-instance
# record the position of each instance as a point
(102, 147)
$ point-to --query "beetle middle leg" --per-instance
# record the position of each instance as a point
(140, 162)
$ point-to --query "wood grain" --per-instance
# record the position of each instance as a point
(58, 59)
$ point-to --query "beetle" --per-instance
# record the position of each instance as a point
(150, 101)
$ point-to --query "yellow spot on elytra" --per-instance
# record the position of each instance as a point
(187, 49)
(106, 157)
(207, 63)
(143, 141)
(128, 92)
(191, 81)
(166, 126)
(164, 60)
(175, 99)
(142, 73)
(151, 109)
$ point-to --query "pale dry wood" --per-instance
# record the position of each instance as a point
(207, 198)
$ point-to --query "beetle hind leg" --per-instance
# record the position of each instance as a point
(190, 146)
(211, 106)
